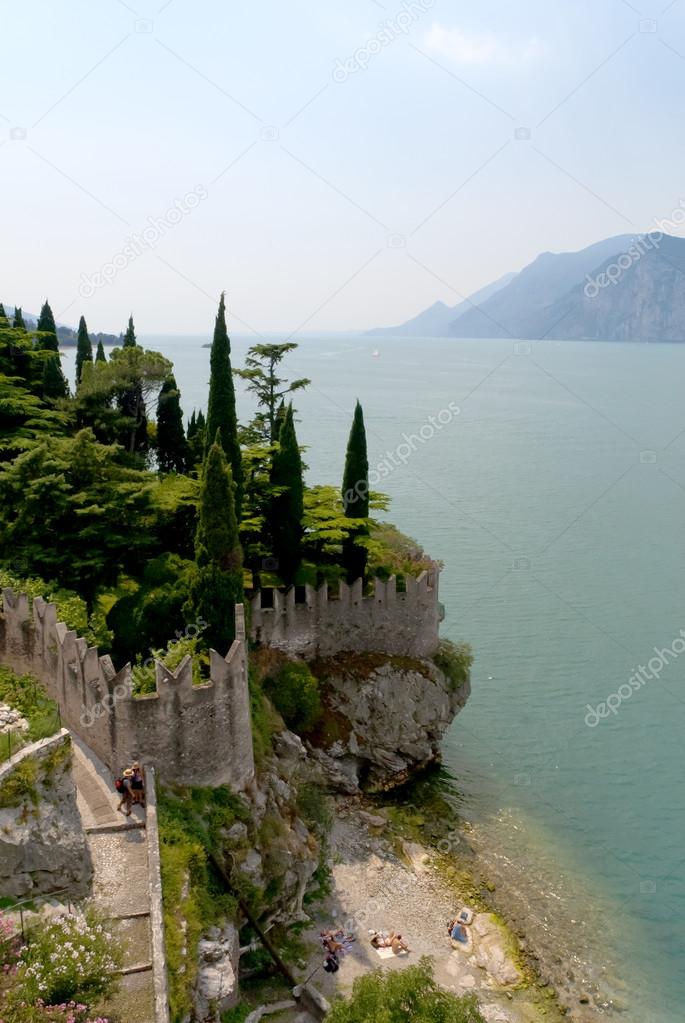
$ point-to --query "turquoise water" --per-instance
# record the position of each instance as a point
(556, 499)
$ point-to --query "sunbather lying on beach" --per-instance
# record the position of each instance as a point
(393, 941)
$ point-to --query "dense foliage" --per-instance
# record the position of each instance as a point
(404, 996)
(151, 525)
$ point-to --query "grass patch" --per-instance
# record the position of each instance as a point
(194, 897)
(25, 694)
(454, 660)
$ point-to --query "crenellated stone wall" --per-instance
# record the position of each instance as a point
(325, 624)
(194, 735)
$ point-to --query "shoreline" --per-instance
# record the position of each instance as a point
(383, 879)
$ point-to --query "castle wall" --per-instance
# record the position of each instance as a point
(323, 625)
(194, 735)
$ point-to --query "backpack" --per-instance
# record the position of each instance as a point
(331, 964)
(120, 785)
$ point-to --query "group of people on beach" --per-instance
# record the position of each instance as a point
(336, 944)
(131, 788)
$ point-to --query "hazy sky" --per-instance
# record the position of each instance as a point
(332, 165)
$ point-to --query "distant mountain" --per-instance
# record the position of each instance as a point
(435, 321)
(645, 302)
(518, 309)
(65, 335)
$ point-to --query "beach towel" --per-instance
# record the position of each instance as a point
(387, 953)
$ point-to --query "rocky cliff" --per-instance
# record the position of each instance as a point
(639, 295)
(42, 843)
(384, 717)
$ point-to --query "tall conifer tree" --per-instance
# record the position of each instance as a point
(4, 322)
(46, 323)
(287, 506)
(130, 335)
(84, 348)
(54, 383)
(355, 495)
(18, 319)
(172, 449)
(100, 353)
(218, 584)
(221, 414)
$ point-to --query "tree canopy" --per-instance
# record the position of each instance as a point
(261, 363)
(221, 411)
(218, 583)
(411, 995)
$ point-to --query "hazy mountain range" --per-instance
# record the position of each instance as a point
(626, 288)
(65, 335)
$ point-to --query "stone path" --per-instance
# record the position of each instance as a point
(120, 880)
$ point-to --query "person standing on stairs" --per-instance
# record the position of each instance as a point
(123, 787)
(137, 784)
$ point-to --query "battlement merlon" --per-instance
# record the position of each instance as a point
(323, 624)
(200, 735)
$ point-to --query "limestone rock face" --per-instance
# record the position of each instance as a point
(281, 851)
(216, 986)
(42, 843)
(383, 720)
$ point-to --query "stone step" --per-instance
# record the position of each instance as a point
(109, 828)
(126, 971)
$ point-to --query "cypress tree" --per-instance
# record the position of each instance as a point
(4, 322)
(18, 319)
(100, 354)
(84, 348)
(355, 495)
(218, 584)
(287, 505)
(195, 437)
(54, 384)
(221, 414)
(201, 422)
(130, 335)
(192, 427)
(46, 324)
(131, 403)
(172, 449)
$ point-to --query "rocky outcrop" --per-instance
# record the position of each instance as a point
(216, 985)
(42, 843)
(384, 719)
(278, 851)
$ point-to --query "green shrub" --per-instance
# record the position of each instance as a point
(20, 786)
(454, 661)
(26, 695)
(294, 693)
(148, 618)
(398, 995)
(143, 673)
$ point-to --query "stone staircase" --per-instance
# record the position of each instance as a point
(121, 887)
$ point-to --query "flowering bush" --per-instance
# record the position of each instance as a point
(67, 1012)
(71, 959)
(10, 947)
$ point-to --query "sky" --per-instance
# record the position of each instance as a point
(332, 165)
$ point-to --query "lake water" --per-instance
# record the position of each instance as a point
(556, 499)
